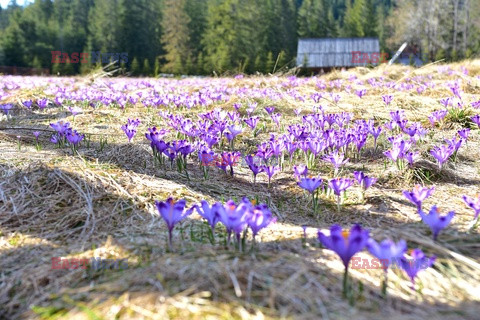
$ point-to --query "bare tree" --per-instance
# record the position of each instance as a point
(455, 24)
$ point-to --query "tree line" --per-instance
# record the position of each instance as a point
(206, 36)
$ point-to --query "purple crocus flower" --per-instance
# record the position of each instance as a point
(74, 137)
(397, 115)
(208, 213)
(315, 145)
(387, 251)
(411, 131)
(338, 185)
(361, 93)
(130, 128)
(74, 111)
(170, 153)
(375, 132)
(221, 165)
(230, 159)
(310, 184)
(234, 217)
(58, 100)
(387, 99)
(473, 203)
(456, 91)
(250, 160)
(28, 103)
(363, 180)
(446, 101)
(345, 243)
(251, 122)
(420, 89)
(417, 263)
(206, 157)
(454, 143)
(36, 134)
(464, 133)
(437, 116)
(435, 221)
(251, 108)
(54, 139)
(270, 109)
(233, 132)
(442, 154)
(172, 212)
(418, 195)
(61, 127)
(390, 125)
(476, 119)
(212, 139)
(42, 103)
(337, 159)
(335, 97)
(397, 150)
(270, 171)
(154, 136)
(300, 170)
(233, 116)
(276, 146)
(411, 157)
(260, 218)
(276, 118)
(186, 150)
(6, 107)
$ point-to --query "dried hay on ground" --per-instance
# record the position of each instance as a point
(101, 204)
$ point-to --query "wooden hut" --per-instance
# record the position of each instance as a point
(327, 53)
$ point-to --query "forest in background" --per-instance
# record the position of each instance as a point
(198, 37)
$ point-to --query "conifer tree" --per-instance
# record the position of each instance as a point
(310, 22)
(176, 36)
(270, 63)
(259, 67)
(156, 68)
(370, 26)
(354, 19)
(146, 68)
(135, 67)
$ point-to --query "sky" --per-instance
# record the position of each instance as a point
(4, 3)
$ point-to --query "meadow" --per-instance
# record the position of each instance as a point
(244, 197)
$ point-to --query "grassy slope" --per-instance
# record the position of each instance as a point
(102, 204)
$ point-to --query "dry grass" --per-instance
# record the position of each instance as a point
(100, 204)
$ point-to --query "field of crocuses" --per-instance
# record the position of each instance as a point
(354, 193)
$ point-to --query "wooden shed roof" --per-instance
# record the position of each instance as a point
(333, 52)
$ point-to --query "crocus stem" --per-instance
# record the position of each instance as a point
(212, 235)
(314, 202)
(170, 240)
(345, 283)
(338, 203)
(384, 284)
(474, 223)
(361, 195)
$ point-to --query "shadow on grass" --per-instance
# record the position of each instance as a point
(48, 213)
